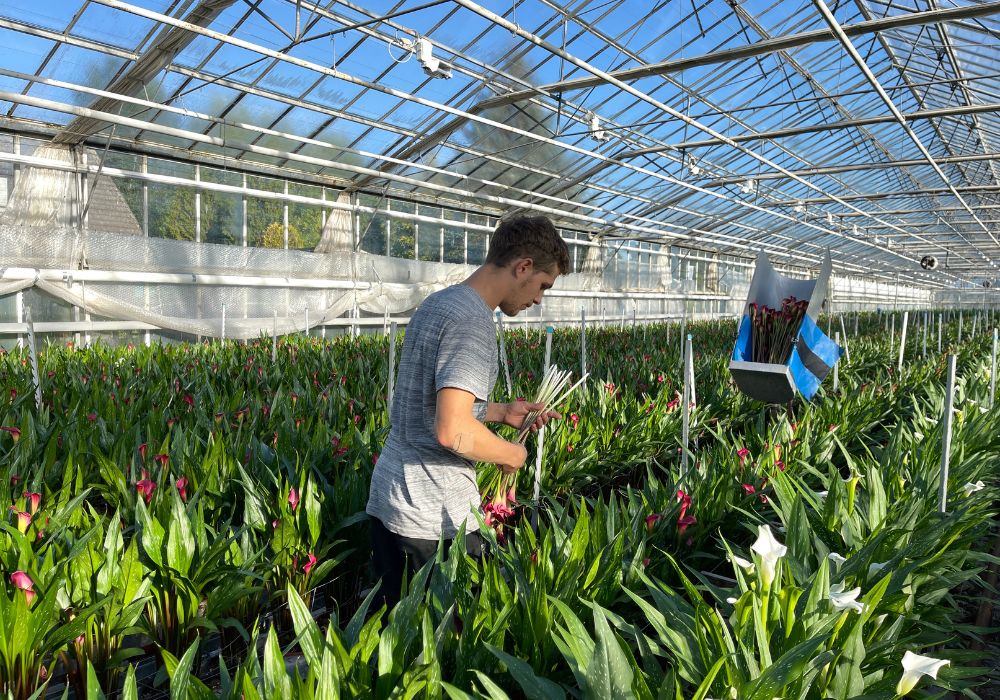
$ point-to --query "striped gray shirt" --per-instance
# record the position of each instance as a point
(420, 489)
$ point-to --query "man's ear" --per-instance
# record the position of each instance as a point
(523, 266)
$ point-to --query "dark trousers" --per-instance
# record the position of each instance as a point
(393, 554)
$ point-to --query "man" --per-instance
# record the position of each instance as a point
(424, 484)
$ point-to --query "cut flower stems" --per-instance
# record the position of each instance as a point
(551, 392)
(773, 331)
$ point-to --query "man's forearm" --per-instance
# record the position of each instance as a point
(474, 441)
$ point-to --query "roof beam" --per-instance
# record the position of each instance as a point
(817, 128)
(835, 169)
(907, 129)
(153, 59)
(756, 49)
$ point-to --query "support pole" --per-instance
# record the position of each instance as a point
(847, 347)
(892, 333)
(902, 341)
(223, 330)
(536, 492)
(583, 342)
(993, 370)
(503, 354)
(949, 403)
(33, 357)
(924, 354)
(274, 341)
(940, 330)
(686, 408)
(836, 366)
(393, 329)
(961, 321)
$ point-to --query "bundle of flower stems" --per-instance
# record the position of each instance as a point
(551, 392)
(774, 330)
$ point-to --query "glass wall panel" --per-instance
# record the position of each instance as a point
(307, 219)
(265, 217)
(402, 232)
(221, 212)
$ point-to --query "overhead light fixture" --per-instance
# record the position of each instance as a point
(596, 131)
(433, 67)
(693, 166)
(829, 218)
(877, 241)
(799, 207)
(854, 230)
(749, 186)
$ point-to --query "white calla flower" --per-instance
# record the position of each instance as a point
(875, 567)
(748, 566)
(971, 488)
(915, 666)
(845, 600)
(732, 601)
(770, 551)
(836, 558)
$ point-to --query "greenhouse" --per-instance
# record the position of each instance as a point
(515, 349)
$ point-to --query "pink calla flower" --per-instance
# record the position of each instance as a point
(310, 563)
(162, 459)
(293, 499)
(142, 451)
(15, 433)
(182, 488)
(651, 520)
(24, 583)
(684, 523)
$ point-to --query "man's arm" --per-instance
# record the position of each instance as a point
(459, 431)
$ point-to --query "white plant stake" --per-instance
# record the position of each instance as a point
(902, 340)
(836, 371)
(274, 341)
(33, 357)
(949, 403)
(541, 437)
(223, 333)
(993, 370)
(961, 320)
(924, 354)
(393, 329)
(847, 348)
(940, 319)
(503, 354)
(686, 408)
(583, 342)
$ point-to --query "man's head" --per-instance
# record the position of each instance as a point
(534, 253)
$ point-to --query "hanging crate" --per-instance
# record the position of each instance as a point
(812, 355)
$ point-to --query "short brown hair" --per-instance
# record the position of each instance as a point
(529, 237)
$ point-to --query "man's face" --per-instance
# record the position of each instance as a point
(530, 285)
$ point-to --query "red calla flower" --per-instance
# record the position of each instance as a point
(651, 520)
(32, 500)
(182, 488)
(146, 488)
(15, 433)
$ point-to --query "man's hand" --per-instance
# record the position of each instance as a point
(516, 411)
(510, 468)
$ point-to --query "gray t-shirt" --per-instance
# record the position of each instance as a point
(420, 489)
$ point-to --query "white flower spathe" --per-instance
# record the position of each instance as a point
(971, 488)
(915, 666)
(845, 600)
(836, 558)
(748, 566)
(875, 567)
(770, 551)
